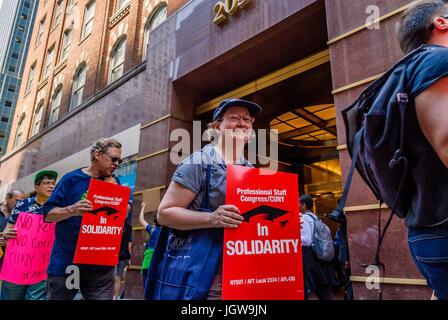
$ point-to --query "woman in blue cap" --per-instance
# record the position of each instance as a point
(180, 210)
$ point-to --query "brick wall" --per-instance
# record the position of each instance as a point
(94, 50)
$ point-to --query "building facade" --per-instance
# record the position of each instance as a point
(16, 25)
(301, 60)
(80, 47)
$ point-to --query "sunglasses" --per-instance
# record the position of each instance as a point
(115, 159)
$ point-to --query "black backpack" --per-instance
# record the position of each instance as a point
(375, 133)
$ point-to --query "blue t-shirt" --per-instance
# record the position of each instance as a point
(71, 188)
(152, 236)
(3, 220)
(426, 68)
(28, 205)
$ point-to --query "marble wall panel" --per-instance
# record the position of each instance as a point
(365, 54)
(154, 138)
(346, 15)
(161, 45)
(151, 172)
(199, 41)
(392, 292)
(134, 281)
(363, 237)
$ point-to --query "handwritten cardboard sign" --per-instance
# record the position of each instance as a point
(102, 228)
(26, 258)
(263, 257)
(152, 200)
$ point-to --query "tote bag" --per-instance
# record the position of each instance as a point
(184, 263)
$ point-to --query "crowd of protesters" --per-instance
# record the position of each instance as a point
(64, 203)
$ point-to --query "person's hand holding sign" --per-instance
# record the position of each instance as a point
(226, 216)
(10, 232)
(79, 208)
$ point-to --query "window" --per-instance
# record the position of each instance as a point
(11, 68)
(5, 119)
(30, 78)
(15, 55)
(154, 20)
(58, 13)
(8, 104)
(27, 4)
(55, 105)
(2, 134)
(41, 31)
(79, 82)
(12, 88)
(37, 118)
(88, 20)
(48, 61)
(66, 42)
(117, 58)
(121, 4)
(19, 132)
(24, 16)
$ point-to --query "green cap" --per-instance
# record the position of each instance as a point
(45, 172)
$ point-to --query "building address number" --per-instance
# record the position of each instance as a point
(230, 7)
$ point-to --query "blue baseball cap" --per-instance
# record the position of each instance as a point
(228, 103)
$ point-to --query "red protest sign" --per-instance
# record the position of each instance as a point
(26, 257)
(101, 229)
(263, 257)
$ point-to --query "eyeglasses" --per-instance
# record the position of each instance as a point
(46, 183)
(237, 118)
(115, 159)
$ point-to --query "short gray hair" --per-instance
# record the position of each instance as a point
(103, 145)
(416, 25)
